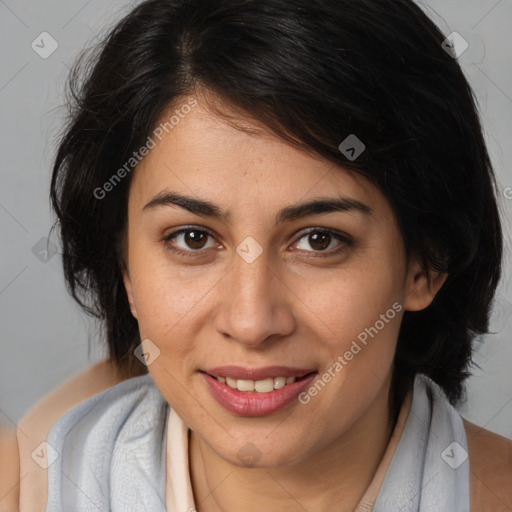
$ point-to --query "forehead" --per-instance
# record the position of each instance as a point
(203, 154)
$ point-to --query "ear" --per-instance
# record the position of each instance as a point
(128, 287)
(419, 293)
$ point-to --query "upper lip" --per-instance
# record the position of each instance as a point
(246, 373)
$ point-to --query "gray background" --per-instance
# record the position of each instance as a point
(45, 338)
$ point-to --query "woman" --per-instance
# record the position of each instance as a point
(284, 212)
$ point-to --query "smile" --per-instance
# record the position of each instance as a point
(263, 394)
(260, 386)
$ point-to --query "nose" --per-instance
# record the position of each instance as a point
(255, 303)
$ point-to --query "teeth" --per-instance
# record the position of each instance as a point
(279, 382)
(245, 385)
(264, 386)
(231, 382)
(260, 386)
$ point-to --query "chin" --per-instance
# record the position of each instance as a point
(249, 452)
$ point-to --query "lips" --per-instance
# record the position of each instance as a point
(264, 398)
(243, 403)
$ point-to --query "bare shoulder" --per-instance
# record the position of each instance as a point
(9, 469)
(490, 462)
(91, 381)
(37, 422)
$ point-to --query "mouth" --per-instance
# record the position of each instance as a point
(269, 390)
(259, 386)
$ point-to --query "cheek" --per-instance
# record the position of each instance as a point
(167, 309)
(356, 314)
(165, 294)
(349, 300)
(363, 316)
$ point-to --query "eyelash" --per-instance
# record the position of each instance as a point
(345, 240)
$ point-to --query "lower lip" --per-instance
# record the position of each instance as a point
(252, 403)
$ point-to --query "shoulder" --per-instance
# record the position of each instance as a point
(9, 469)
(121, 433)
(126, 409)
(37, 421)
(490, 463)
(35, 425)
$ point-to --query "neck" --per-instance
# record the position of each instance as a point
(336, 477)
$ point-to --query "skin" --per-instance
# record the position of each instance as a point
(288, 307)
(9, 469)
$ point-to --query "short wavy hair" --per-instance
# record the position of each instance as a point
(314, 72)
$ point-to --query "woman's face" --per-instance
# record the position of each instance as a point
(252, 280)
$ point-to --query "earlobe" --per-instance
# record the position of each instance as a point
(419, 294)
(129, 294)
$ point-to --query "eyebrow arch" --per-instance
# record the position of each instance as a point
(287, 214)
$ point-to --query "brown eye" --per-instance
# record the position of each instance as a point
(319, 241)
(195, 239)
(189, 241)
(324, 241)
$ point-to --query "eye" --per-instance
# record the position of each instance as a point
(189, 240)
(322, 239)
(192, 241)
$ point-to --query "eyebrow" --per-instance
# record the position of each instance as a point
(287, 214)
